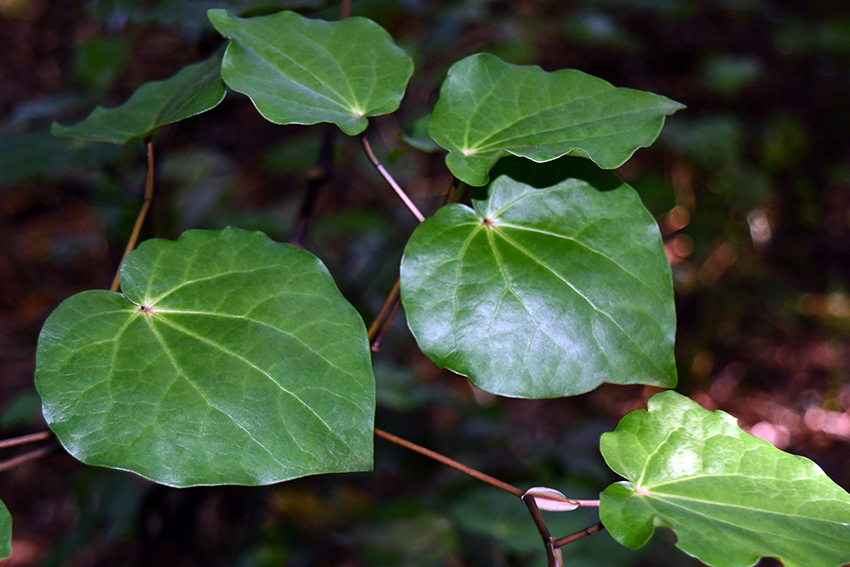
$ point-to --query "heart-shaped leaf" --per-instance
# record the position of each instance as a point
(5, 532)
(302, 71)
(730, 497)
(195, 89)
(229, 358)
(543, 293)
(489, 109)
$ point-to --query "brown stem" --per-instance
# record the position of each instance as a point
(319, 175)
(548, 541)
(389, 179)
(385, 308)
(379, 340)
(578, 535)
(449, 462)
(24, 439)
(452, 193)
(344, 9)
(137, 228)
(26, 457)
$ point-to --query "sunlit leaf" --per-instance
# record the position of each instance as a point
(489, 109)
(730, 497)
(195, 89)
(228, 358)
(302, 71)
(541, 293)
(5, 531)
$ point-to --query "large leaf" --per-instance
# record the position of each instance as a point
(302, 71)
(195, 89)
(229, 358)
(489, 109)
(5, 532)
(730, 497)
(543, 293)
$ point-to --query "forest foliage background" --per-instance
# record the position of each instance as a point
(750, 185)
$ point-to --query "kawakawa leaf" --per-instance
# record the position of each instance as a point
(302, 71)
(730, 497)
(5, 532)
(489, 109)
(538, 293)
(227, 359)
(195, 89)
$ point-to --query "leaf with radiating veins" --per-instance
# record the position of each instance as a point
(227, 359)
(730, 497)
(489, 109)
(540, 293)
(302, 71)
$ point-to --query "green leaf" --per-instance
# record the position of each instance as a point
(543, 293)
(195, 89)
(302, 71)
(229, 358)
(5, 532)
(730, 497)
(489, 109)
(24, 155)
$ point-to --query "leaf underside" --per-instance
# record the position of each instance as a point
(192, 91)
(489, 109)
(302, 71)
(730, 497)
(229, 359)
(539, 293)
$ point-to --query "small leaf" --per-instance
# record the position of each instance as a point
(543, 293)
(730, 497)
(302, 71)
(550, 500)
(194, 90)
(229, 359)
(5, 532)
(489, 109)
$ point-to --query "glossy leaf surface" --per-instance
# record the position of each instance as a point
(5, 531)
(195, 89)
(229, 358)
(730, 497)
(540, 293)
(489, 109)
(302, 71)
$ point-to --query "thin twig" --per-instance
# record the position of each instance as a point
(344, 9)
(452, 192)
(449, 462)
(137, 228)
(26, 457)
(319, 175)
(548, 540)
(385, 328)
(578, 535)
(385, 308)
(389, 179)
(24, 439)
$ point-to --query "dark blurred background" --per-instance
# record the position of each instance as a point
(750, 185)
